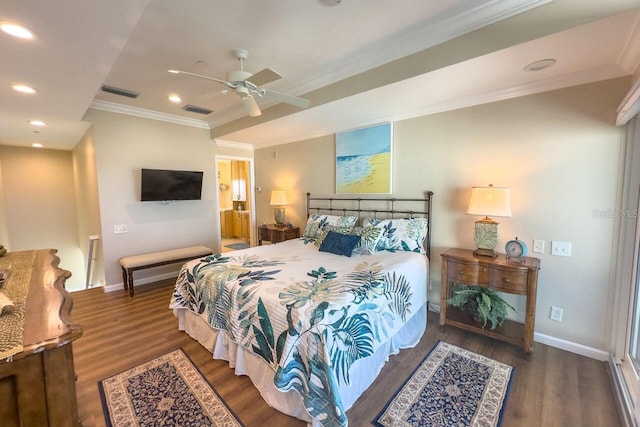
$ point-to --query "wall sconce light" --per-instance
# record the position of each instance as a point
(488, 201)
(279, 200)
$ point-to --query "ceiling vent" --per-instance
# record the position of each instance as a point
(196, 109)
(118, 91)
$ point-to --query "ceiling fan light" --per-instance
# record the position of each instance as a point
(251, 106)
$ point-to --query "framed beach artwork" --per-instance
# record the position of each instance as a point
(363, 160)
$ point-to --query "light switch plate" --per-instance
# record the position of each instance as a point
(561, 248)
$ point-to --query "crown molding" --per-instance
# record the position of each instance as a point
(113, 107)
(233, 144)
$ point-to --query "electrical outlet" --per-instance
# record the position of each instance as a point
(556, 314)
(561, 248)
(538, 246)
(120, 229)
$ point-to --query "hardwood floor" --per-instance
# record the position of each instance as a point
(550, 388)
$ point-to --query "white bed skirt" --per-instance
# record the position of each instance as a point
(362, 374)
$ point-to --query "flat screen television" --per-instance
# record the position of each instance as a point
(163, 185)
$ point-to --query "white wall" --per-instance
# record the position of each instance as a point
(39, 205)
(124, 145)
(559, 152)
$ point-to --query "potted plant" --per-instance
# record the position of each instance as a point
(483, 304)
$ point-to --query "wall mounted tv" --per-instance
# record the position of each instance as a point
(163, 185)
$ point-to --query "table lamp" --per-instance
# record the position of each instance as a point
(279, 200)
(488, 201)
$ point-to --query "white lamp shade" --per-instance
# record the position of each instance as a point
(278, 198)
(490, 201)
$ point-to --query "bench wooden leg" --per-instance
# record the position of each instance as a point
(124, 279)
(130, 283)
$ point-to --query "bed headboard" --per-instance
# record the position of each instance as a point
(376, 207)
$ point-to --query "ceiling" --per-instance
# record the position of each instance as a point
(369, 60)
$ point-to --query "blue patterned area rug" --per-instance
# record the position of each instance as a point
(451, 387)
(166, 391)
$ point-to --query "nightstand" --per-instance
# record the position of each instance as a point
(460, 266)
(275, 234)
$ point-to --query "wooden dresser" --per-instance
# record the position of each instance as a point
(37, 388)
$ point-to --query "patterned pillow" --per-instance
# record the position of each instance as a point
(318, 222)
(323, 234)
(339, 244)
(369, 237)
(401, 234)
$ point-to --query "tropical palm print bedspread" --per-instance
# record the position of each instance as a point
(308, 314)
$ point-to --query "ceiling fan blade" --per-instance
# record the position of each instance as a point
(264, 76)
(289, 99)
(201, 76)
(251, 106)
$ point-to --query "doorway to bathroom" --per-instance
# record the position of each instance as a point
(235, 202)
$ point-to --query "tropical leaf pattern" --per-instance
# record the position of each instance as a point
(316, 223)
(401, 234)
(309, 322)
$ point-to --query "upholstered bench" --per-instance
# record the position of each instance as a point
(154, 259)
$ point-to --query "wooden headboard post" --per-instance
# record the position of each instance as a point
(347, 205)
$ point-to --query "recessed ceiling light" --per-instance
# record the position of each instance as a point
(37, 123)
(23, 88)
(37, 145)
(540, 65)
(175, 98)
(17, 30)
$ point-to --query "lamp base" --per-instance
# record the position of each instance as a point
(485, 253)
(486, 238)
(278, 214)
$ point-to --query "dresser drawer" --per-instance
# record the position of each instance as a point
(509, 280)
(462, 272)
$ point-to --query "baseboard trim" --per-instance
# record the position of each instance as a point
(570, 346)
(142, 281)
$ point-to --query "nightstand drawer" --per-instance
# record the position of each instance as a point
(462, 272)
(513, 281)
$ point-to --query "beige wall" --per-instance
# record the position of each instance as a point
(125, 144)
(559, 152)
(39, 208)
(87, 203)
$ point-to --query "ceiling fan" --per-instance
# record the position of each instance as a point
(247, 85)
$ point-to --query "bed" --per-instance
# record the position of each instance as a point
(312, 321)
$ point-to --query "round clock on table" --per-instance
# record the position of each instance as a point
(516, 250)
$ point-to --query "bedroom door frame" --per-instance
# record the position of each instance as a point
(251, 195)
